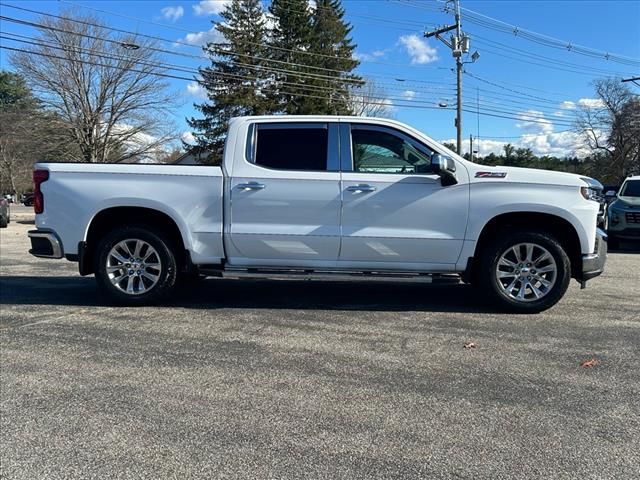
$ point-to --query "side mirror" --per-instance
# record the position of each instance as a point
(445, 167)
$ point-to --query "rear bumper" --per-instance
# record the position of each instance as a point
(593, 263)
(45, 244)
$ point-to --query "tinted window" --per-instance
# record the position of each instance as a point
(375, 151)
(292, 148)
(631, 189)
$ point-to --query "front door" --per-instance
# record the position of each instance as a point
(285, 197)
(396, 213)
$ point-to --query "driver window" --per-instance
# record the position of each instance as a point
(376, 151)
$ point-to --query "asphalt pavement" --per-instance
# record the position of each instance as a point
(321, 380)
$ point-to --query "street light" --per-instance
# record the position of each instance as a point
(129, 46)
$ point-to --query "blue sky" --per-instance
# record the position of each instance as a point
(514, 77)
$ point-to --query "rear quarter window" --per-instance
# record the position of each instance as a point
(291, 148)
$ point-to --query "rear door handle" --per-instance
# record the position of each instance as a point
(362, 188)
(251, 186)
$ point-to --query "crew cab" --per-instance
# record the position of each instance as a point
(305, 196)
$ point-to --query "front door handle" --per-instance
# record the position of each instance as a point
(251, 186)
(362, 188)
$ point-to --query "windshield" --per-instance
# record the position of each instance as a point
(631, 189)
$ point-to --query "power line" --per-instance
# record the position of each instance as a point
(40, 26)
(489, 82)
(371, 100)
(174, 67)
(558, 65)
(545, 40)
(29, 40)
(156, 74)
(499, 25)
(177, 42)
(303, 87)
(544, 58)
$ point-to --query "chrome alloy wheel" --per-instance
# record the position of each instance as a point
(526, 272)
(133, 266)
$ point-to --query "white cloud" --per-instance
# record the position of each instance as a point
(172, 13)
(534, 121)
(409, 94)
(418, 49)
(362, 57)
(568, 105)
(202, 38)
(370, 57)
(188, 137)
(591, 103)
(195, 89)
(210, 7)
(557, 144)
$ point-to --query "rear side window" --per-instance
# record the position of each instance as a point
(291, 147)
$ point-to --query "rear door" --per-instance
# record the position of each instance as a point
(396, 213)
(285, 196)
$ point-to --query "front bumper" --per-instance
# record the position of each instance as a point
(631, 233)
(593, 263)
(45, 244)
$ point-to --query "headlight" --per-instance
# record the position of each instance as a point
(593, 190)
(614, 217)
(590, 193)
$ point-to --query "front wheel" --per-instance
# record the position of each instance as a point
(525, 272)
(135, 266)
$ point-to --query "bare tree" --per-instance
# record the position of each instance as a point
(28, 134)
(610, 127)
(104, 87)
(370, 100)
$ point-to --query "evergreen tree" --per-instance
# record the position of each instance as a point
(236, 80)
(291, 41)
(334, 48)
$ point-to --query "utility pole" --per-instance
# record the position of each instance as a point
(471, 147)
(459, 44)
(457, 53)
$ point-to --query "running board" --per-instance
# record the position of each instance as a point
(330, 275)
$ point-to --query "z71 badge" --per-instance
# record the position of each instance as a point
(491, 174)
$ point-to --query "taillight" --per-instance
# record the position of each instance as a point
(39, 176)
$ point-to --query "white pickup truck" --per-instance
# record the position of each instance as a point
(322, 196)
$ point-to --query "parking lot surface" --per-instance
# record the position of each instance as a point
(335, 380)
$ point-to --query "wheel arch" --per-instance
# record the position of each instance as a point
(117, 216)
(560, 228)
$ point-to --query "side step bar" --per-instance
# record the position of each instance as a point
(330, 275)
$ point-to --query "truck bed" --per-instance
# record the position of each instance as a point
(192, 196)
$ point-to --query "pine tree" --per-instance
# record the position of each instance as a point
(291, 41)
(334, 48)
(235, 81)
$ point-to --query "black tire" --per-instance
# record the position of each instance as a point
(4, 222)
(612, 242)
(501, 294)
(163, 256)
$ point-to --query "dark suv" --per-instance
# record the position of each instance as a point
(624, 213)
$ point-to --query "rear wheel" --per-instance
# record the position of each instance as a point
(525, 272)
(135, 266)
(4, 221)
